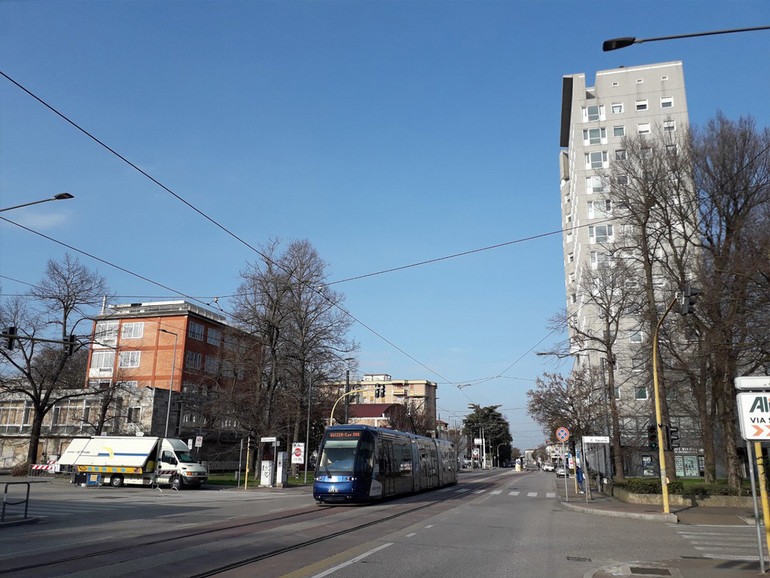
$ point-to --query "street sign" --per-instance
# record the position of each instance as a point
(298, 453)
(269, 439)
(198, 441)
(596, 439)
(753, 382)
(562, 434)
(754, 415)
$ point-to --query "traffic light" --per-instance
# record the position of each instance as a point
(382, 391)
(687, 299)
(379, 390)
(71, 342)
(672, 437)
(652, 437)
(11, 334)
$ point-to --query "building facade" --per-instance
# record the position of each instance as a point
(598, 123)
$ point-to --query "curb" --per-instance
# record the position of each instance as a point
(669, 518)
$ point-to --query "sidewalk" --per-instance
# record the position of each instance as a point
(603, 505)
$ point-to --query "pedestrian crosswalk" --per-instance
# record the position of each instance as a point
(516, 493)
(736, 543)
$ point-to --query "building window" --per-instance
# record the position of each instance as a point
(134, 414)
(664, 77)
(620, 155)
(638, 363)
(192, 360)
(195, 331)
(640, 393)
(214, 337)
(640, 81)
(669, 125)
(671, 150)
(619, 130)
(106, 334)
(592, 113)
(102, 359)
(571, 258)
(600, 208)
(212, 364)
(666, 102)
(129, 359)
(595, 184)
(596, 160)
(643, 128)
(617, 392)
(600, 233)
(599, 259)
(617, 108)
(621, 179)
(132, 330)
(635, 336)
(641, 105)
(594, 136)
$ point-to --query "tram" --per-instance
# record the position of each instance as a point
(361, 464)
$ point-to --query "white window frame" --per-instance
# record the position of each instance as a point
(635, 336)
(132, 330)
(193, 360)
(620, 154)
(196, 330)
(129, 359)
(587, 117)
(617, 108)
(643, 128)
(669, 125)
(599, 208)
(106, 334)
(642, 105)
(639, 390)
(214, 336)
(666, 102)
(104, 359)
(594, 162)
(608, 237)
(599, 136)
(595, 184)
(619, 130)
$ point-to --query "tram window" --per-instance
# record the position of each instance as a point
(338, 457)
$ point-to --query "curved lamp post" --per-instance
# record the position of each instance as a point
(616, 43)
(59, 197)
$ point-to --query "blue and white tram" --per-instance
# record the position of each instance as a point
(361, 463)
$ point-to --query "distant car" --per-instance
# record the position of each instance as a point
(561, 472)
(547, 467)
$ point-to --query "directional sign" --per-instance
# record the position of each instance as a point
(596, 439)
(754, 415)
(753, 382)
(562, 434)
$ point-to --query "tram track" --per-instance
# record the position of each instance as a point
(189, 539)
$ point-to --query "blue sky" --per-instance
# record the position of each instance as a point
(385, 133)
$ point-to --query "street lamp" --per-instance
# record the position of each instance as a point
(616, 43)
(59, 197)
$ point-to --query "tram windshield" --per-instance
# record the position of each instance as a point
(338, 457)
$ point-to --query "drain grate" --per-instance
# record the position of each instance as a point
(650, 571)
(578, 559)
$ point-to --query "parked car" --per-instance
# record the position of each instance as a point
(561, 472)
(546, 467)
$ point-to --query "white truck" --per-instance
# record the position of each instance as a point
(118, 460)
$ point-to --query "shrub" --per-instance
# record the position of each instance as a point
(21, 469)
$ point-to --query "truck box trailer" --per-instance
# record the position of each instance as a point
(118, 460)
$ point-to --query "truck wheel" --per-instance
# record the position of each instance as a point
(176, 483)
(116, 481)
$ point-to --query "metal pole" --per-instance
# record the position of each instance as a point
(762, 489)
(658, 424)
(347, 399)
(756, 511)
(307, 433)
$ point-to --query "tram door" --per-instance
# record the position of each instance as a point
(385, 471)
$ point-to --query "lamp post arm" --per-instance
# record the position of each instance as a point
(343, 396)
(616, 43)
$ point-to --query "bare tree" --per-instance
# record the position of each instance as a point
(43, 368)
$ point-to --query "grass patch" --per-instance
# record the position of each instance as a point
(229, 479)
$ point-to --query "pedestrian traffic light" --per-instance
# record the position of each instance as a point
(11, 335)
(687, 299)
(672, 438)
(652, 437)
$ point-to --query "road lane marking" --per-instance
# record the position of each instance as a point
(333, 569)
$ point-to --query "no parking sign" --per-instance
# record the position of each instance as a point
(562, 434)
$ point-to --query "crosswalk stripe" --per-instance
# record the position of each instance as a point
(514, 493)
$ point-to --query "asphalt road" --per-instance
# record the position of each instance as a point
(498, 523)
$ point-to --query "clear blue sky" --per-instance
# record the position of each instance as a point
(385, 133)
